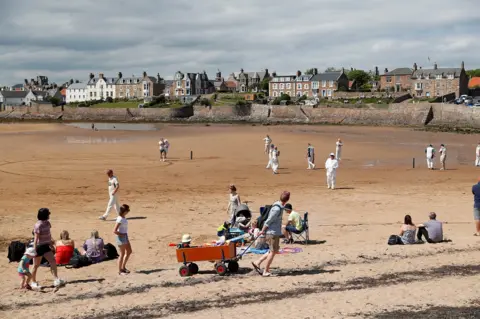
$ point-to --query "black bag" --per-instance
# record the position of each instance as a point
(111, 252)
(16, 251)
(393, 240)
(78, 261)
(264, 216)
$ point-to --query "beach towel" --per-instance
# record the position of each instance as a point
(286, 250)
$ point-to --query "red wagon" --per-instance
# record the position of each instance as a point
(225, 258)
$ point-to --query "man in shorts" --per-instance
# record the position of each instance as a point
(294, 224)
(273, 229)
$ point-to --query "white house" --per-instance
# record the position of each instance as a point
(12, 97)
(100, 88)
(35, 96)
(77, 92)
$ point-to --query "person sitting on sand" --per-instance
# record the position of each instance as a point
(407, 232)
(94, 248)
(64, 248)
(431, 230)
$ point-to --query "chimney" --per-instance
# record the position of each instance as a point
(386, 70)
(435, 66)
(377, 73)
(299, 73)
(315, 71)
(274, 74)
(351, 69)
(91, 76)
(100, 75)
(266, 71)
(415, 67)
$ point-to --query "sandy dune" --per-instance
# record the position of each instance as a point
(347, 272)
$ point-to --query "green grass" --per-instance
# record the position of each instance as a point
(130, 104)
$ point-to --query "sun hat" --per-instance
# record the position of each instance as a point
(31, 252)
(331, 154)
(186, 238)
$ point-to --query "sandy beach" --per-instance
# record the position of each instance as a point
(347, 271)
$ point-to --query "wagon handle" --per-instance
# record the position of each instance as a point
(237, 258)
(184, 258)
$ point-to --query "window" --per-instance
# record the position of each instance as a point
(427, 77)
(315, 85)
(324, 84)
(288, 93)
(418, 86)
(95, 94)
(299, 86)
(305, 86)
(282, 79)
(331, 84)
(329, 92)
(299, 93)
(282, 86)
(274, 94)
(451, 77)
(179, 84)
(145, 86)
(281, 93)
(289, 85)
(91, 94)
(427, 94)
(439, 77)
(187, 84)
(389, 79)
(275, 86)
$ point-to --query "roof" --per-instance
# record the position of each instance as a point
(14, 94)
(41, 93)
(252, 75)
(400, 71)
(17, 86)
(231, 84)
(439, 71)
(107, 79)
(277, 78)
(327, 76)
(74, 86)
(474, 82)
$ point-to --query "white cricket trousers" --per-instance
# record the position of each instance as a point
(269, 163)
(430, 163)
(311, 165)
(338, 152)
(477, 161)
(113, 202)
(331, 179)
(274, 166)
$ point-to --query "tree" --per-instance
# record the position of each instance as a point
(360, 77)
(54, 100)
(331, 69)
(71, 81)
(473, 73)
(264, 85)
(309, 71)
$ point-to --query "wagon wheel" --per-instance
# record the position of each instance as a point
(233, 266)
(221, 269)
(193, 268)
(184, 271)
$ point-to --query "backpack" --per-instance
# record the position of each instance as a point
(16, 249)
(393, 240)
(78, 261)
(264, 215)
(110, 252)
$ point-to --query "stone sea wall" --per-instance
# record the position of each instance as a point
(400, 114)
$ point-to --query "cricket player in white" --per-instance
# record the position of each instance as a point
(338, 149)
(268, 142)
(443, 156)
(430, 154)
(331, 166)
(275, 154)
(477, 153)
(113, 187)
(310, 156)
(272, 149)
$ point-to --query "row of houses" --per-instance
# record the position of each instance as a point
(23, 97)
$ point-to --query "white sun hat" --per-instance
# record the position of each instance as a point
(186, 238)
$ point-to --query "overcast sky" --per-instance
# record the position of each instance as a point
(70, 39)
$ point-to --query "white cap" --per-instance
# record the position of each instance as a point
(186, 238)
(331, 154)
(31, 252)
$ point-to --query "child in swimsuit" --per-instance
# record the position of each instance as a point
(23, 268)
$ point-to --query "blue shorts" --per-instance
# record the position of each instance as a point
(122, 240)
(292, 229)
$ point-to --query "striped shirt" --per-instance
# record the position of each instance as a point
(42, 229)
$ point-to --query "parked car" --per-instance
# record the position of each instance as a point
(476, 104)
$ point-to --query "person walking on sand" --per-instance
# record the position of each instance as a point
(338, 149)
(234, 202)
(167, 146)
(163, 150)
(275, 163)
(476, 206)
(477, 154)
(331, 166)
(268, 142)
(121, 230)
(113, 187)
(272, 149)
(443, 156)
(430, 154)
(310, 156)
(273, 229)
(42, 243)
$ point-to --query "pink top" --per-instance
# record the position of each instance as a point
(42, 229)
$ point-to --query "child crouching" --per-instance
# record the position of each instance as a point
(23, 268)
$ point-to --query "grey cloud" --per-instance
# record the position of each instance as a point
(70, 39)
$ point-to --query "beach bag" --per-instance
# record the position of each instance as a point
(78, 261)
(392, 240)
(110, 252)
(16, 249)
(264, 215)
